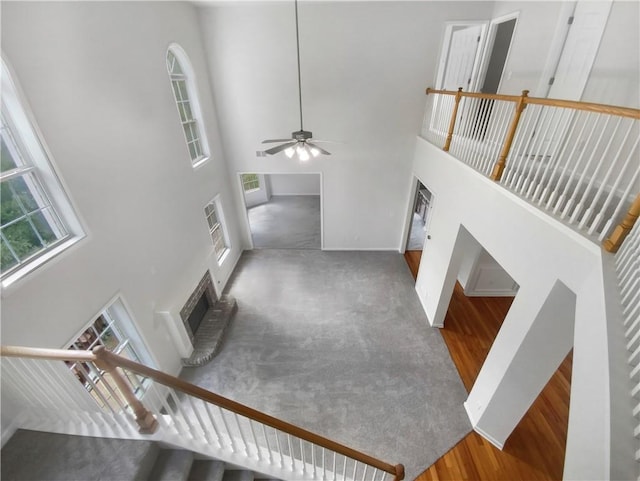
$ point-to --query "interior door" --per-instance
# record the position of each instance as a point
(461, 57)
(579, 52)
(587, 25)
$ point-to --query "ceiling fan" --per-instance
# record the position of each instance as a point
(301, 142)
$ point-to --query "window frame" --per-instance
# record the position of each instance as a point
(120, 322)
(250, 183)
(217, 230)
(34, 165)
(188, 105)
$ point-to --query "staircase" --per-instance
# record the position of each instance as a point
(35, 456)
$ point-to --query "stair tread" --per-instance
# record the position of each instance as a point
(206, 470)
(38, 455)
(172, 465)
(238, 475)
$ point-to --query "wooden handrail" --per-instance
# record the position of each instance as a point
(569, 104)
(106, 358)
(51, 354)
(233, 406)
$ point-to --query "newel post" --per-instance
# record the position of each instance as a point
(498, 168)
(399, 476)
(145, 419)
(617, 237)
(452, 123)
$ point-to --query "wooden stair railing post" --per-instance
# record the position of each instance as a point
(498, 168)
(617, 237)
(147, 423)
(399, 472)
(452, 123)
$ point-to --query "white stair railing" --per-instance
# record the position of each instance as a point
(174, 411)
(579, 162)
(627, 262)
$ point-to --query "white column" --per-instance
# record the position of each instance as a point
(535, 337)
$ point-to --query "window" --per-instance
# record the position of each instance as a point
(111, 329)
(36, 219)
(184, 92)
(250, 182)
(213, 213)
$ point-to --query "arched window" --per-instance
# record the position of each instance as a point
(37, 221)
(185, 94)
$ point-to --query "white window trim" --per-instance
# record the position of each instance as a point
(217, 202)
(194, 103)
(118, 309)
(23, 126)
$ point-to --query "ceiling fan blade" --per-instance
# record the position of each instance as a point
(280, 148)
(314, 146)
(326, 141)
(271, 141)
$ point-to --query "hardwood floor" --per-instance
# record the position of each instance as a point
(535, 450)
(413, 259)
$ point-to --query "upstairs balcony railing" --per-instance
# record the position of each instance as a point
(577, 161)
(173, 410)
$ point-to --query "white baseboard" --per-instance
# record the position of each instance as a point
(482, 433)
(356, 249)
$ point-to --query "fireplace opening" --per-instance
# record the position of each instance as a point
(197, 315)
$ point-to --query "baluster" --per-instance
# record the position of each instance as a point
(313, 460)
(213, 423)
(234, 448)
(551, 125)
(355, 470)
(364, 473)
(266, 438)
(617, 237)
(255, 439)
(620, 205)
(614, 188)
(587, 168)
(501, 162)
(181, 412)
(344, 469)
(279, 449)
(205, 432)
(293, 464)
(304, 465)
(550, 187)
(244, 441)
(525, 136)
(502, 118)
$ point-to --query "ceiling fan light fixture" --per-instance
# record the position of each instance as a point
(300, 144)
(303, 153)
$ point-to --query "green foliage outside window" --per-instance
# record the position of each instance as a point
(250, 182)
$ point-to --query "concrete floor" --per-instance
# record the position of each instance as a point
(337, 343)
(417, 234)
(286, 222)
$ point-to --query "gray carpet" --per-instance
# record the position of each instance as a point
(286, 222)
(337, 343)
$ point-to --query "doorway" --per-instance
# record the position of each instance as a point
(418, 226)
(283, 210)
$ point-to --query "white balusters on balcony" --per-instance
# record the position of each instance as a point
(580, 162)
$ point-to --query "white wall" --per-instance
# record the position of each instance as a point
(615, 75)
(538, 252)
(365, 67)
(94, 75)
(294, 184)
